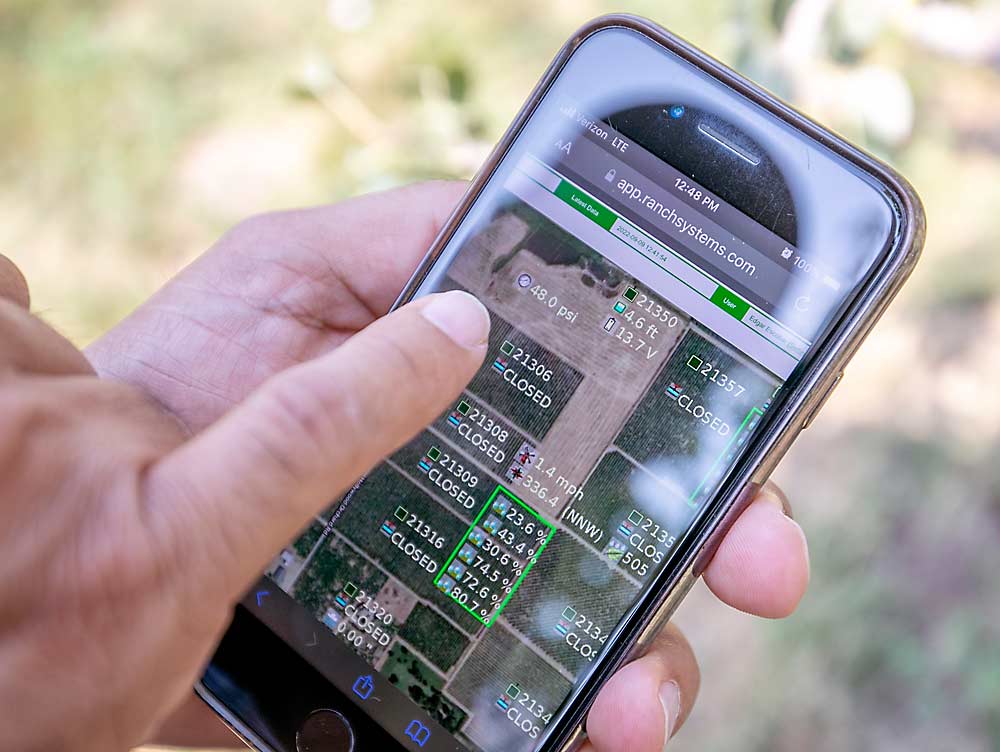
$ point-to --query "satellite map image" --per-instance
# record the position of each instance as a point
(481, 568)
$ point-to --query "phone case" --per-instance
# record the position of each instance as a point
(807, 396)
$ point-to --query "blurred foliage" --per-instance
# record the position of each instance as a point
(134, 132)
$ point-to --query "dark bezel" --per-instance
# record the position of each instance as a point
(801, 396)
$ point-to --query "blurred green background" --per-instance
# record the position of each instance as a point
(134, 132)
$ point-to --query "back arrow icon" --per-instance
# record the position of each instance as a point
(261, 595)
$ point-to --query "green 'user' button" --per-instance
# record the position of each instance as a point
(730, 302)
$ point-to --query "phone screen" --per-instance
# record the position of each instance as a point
(658, 259)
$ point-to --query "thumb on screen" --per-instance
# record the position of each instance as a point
(235, 494)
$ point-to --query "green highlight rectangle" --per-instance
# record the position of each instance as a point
(754, 412)
(464, 407)
(507, 347)
(586, 204)
(489, 503)
(351, 589)
(400, 513)
(730, 302)
(630, 294)
(434, 453)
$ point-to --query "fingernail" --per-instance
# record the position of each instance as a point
(670, 698)
(460, 316)
(776, 496)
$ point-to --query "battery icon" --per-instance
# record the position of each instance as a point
(609, 325)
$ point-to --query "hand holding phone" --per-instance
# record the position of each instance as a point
(127, 540)
(125, 422)
(677, 268)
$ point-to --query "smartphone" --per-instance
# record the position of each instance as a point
(678, 266)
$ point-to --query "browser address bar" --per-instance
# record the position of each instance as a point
(695, 279)
(694, 235)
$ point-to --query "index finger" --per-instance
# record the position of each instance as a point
(369, 245)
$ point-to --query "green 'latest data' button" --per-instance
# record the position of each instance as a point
(586, 205)
(729, 302)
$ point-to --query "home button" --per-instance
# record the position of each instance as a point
(324, 731)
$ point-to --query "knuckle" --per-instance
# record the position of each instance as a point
(126, 568)
(409, 377)
(25, 409)
(396, 354)
(256, 227)
(299, 422)
(174, 507)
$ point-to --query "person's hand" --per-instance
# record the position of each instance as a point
(284, 288)
(125, 542)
